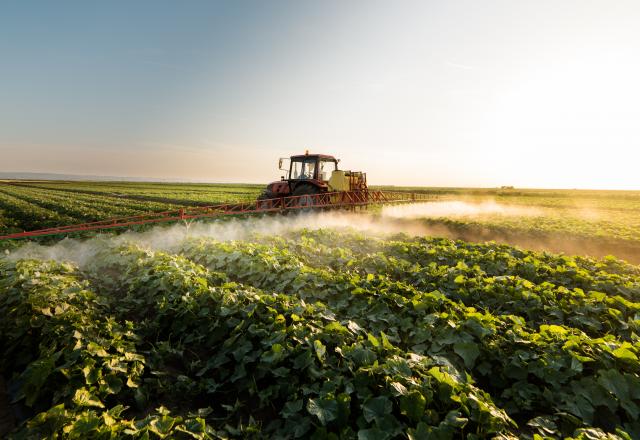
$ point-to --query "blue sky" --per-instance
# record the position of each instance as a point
(455, 93)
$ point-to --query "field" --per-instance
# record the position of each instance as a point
(26, 205)
(327, 325)
(603, 222)
(595, 223)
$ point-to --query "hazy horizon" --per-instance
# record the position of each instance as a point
(421, 93)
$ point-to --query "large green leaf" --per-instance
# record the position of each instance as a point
(413, 405)
(376, 408)
(325, 409)
(468, 351)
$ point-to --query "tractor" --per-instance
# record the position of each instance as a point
(309, 174)
(311, 181)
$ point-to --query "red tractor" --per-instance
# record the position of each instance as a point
(313, 174)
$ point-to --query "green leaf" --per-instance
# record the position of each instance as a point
(421, 432)
(84, 398)
(303, 360)
(114, 384)
(362, 356)
(320, 350)
(96, 350)
(325, 409)
(455, 419)
(468, 351)
(354, 327)
(162, 426)
(274, 355)
(291, 408)
(413, 405)
(614, 382)
(376, 408)
(87, 423)
(194, 427)
(398, 388)
(344, 408)
(625, 354)
(36, 375)
(556, 330)
(335, 327)
(544, 424)
(385, 342)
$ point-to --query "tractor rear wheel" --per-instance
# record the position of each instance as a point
(265, 196)
(308, 190)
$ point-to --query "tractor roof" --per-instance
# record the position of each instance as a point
(319, 156)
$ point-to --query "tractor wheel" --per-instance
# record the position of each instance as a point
(305, 189)
(264, 196)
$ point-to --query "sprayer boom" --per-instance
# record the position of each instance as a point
(307, 202)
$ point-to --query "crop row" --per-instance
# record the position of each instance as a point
(28, 209)
(554, 198)
(164, 193)
(616, 226)
(101, 200)
(34, 206)
(293, 336)
(383, 304)
(76, 209)
(25, 215)
(247, 353)
(85, 206)
(541, 288)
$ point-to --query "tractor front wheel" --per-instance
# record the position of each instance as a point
(265, 196)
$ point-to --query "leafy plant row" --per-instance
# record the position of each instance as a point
(325, 334)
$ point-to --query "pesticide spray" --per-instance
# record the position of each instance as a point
(419, 219)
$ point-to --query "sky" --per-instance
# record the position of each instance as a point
(542, 94)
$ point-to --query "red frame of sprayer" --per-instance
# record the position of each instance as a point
(333, 200)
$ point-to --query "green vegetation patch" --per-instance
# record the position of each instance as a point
(321, 334)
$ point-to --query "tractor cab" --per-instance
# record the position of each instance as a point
(316, 167)
(313, 174)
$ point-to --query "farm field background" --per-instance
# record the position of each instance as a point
(594, 223)
(331, 325)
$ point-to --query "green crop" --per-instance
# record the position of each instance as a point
(37, 205)
(322, 334)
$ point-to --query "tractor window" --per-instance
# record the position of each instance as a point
(326, 167)
(303, 169)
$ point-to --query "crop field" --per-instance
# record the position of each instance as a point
(602, 219)
(331, 325)
(41, 204)
(613, 215)
(319, 332)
